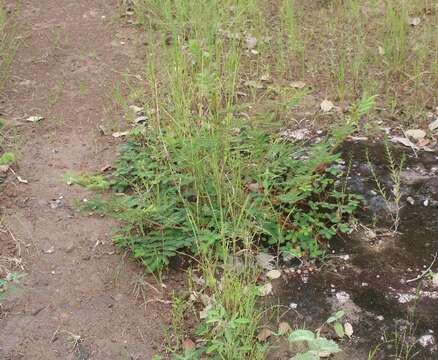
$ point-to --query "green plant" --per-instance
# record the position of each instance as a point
(393, 198)
(336, 324)
(214, 178)
(91, 182)
(231, 327)
(9, 283)
(318, 346)
(7, 158)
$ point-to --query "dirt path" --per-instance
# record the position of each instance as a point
(72, 54)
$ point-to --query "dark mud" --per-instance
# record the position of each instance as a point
(370, 273)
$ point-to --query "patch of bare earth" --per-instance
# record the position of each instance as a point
(76, 301)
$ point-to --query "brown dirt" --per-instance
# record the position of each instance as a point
(65, 70)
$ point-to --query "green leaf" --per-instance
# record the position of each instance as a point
(301, 335)
(306, 356)
(323, 345)
(339, 315)
(339, 328)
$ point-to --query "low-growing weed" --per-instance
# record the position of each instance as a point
(9, 283)
(318, 346)
(392, 198)
(209, 178)
(90, 182)
(286, 195)
(7, 158)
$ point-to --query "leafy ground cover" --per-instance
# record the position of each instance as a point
(209, 170)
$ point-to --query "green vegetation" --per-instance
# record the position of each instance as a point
(9, 283)
(7, 158)
(212, 175)
(91, 182)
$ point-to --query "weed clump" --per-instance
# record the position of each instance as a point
(212, 177)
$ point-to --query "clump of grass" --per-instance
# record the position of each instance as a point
(7, 158)
(9, 283)
(208, 178)
(392, 198)
(90, 182)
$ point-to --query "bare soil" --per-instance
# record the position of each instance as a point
(77, 300)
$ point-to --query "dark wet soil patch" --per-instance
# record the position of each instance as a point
(370, 273)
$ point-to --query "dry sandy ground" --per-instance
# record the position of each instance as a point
(71, 56)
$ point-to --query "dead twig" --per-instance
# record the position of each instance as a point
(425, 272)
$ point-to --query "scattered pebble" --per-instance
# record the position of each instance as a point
(34, 119)
(327, 106)
(50, 250)
(293, 306)
(273, 274)
(264, 334)
(427, 341)
(342, 297)
(433, 125)
(416, 134)
(410, 200)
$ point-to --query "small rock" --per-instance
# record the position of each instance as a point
(380, 317)
(298, 84)
(427, 341)
(416, 134)
(120, 134)
(264, 334)
(433, 125)
(410, 200)
(348, 328)
(69, 248)
(326, 106)
(141, 120)
(404, 141)
(293, 306)
(299, 134)
(342, 297)
(251, 42)
(50, 250)
(34, 119)
(273, 274)
(414, 21)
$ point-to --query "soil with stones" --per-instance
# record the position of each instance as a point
(76, 301)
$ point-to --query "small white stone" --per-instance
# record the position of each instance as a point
(342, 297)
(427, 340)
(293, 306)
